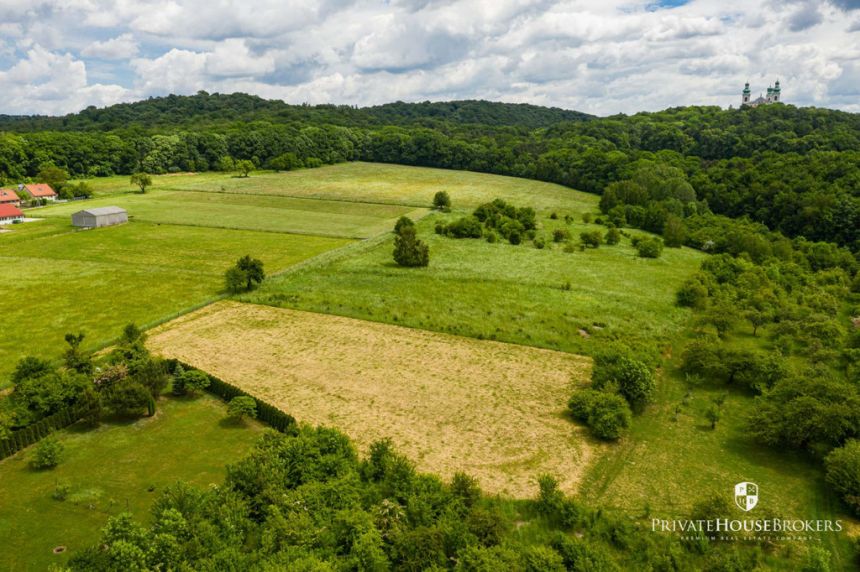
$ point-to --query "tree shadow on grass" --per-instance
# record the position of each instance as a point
(231, 423)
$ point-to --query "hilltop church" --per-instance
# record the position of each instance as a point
(773, 94)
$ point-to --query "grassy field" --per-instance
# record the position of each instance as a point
(499, 291)
(57, 280)
(369, 183)
(110, 470)
(492, 410)
(233, 211)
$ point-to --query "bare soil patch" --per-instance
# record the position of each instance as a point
(490, 409)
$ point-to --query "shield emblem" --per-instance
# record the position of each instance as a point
(746, 496)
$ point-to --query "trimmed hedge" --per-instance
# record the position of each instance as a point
(26, 436)
(266, 412)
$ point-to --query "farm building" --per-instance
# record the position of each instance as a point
(9, 214)
(9, 197)
(41, 191)
(100, 216)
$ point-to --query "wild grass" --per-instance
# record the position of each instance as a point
(501, 292)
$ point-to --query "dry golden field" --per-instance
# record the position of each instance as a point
(490, 409)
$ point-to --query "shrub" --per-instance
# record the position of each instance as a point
(515, 237)
(30, 368)
(465, 227)
(189, 382)
(586, 218)
(241, 407)
(610, 417)
(61, 491)
(649, 247)
(560, 235)
(442, 201)
(843, 473)
(607, 414)
(539, 243)
(286, 162)
(613, 236)
(492, 237)
(591, 239)
(634, 379)
(46, 454)
(692, 294)
(128, 398)
(554, 215)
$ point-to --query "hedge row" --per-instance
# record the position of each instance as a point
(26, 436)
(266, 412)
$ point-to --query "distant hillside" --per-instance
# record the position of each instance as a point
(206, 109)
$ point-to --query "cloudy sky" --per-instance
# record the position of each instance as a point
(598, 56)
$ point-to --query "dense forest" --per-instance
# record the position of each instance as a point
(793, 169)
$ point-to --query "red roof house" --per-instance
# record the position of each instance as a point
(10, 213)
(9, 197)
(41, 191)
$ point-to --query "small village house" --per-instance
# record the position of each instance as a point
(10, 213)
(41, 191)
(9, 197)
(99, 216)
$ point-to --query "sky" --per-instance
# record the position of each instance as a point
(597, 56)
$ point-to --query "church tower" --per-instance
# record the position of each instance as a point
(745, 95)
(776, 92)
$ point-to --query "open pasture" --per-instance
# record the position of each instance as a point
(396, 184)
(266, 213)
(58, 280)
(492, 410)
(370, 183)
(121, 466)
(570, 301)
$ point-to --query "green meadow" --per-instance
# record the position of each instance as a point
(569, 301)
(58, 280)
(233, 211)
(366, 183)
(120, 466)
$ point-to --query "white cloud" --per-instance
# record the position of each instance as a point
(233, 58)
(119, 48)
(177, 71)
(599, 56)
(48, 82)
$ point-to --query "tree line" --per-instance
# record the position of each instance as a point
(792, 169)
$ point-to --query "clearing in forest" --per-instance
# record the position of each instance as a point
(489, 409)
